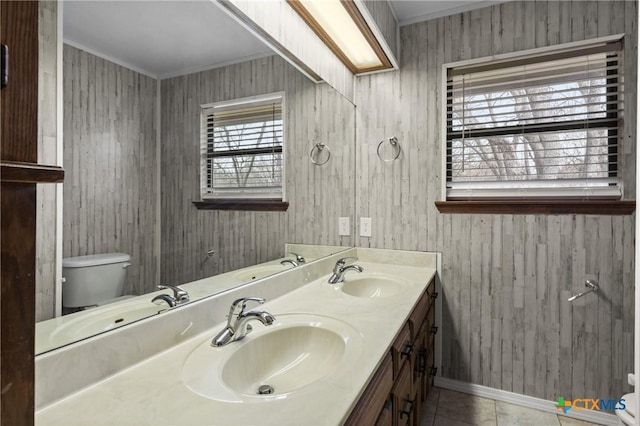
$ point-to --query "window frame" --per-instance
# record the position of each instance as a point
(522, 205)
(248, 201)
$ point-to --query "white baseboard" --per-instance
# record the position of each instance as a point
(525, 401)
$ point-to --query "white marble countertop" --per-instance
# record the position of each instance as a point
(153, 392)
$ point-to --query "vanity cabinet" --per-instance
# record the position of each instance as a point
(396, 393)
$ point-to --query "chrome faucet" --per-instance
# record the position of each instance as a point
(238, 321)
(179, 297)
(290, 261)
(339, 270)
(299, 259)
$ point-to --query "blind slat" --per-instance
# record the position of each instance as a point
(508, 81)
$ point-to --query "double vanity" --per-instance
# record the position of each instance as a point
(358, 351)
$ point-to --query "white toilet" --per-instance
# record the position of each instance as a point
(93, 280)
(629, 413)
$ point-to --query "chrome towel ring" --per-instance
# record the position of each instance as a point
(395, 149)
(320, 148)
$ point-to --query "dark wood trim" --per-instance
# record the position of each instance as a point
(17, 302)
(20, 97)
(19, 142)
(321, 33)
(270, 205)
(355, 14)
(17, 172)
(596, 207)
(357, 17)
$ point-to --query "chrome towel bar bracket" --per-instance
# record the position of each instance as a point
(592, 287)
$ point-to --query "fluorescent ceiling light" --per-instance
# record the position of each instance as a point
(343, 29)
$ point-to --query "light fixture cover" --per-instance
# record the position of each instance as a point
(343, 29)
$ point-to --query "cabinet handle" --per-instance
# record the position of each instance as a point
(434, 329)
(433, 371)
(407, 411)
(434, 295)
(407, 351)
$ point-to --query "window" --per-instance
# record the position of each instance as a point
(241, 149)
(544, 126)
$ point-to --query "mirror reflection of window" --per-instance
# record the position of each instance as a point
(242, 148)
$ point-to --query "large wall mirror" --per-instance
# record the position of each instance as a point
(134, 77)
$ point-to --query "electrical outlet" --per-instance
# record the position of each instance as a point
(344, 226)
(365, 226)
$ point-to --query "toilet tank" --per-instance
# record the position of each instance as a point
(89, 280)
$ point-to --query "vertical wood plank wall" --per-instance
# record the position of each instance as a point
(317, 195)
(110, 187)
(506, 279)
(47, 154)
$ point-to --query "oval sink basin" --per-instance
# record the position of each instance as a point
(258, 272)
(373, 285)
(91, 322)
(290, 356)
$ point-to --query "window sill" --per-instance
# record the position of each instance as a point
(266, 205)
(597, 207)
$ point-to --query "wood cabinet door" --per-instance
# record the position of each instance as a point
(386, 415)
(373, 400)
(404, 399)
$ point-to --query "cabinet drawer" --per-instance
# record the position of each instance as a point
(372, 401)
(419, 314)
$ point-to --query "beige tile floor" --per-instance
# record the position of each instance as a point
(448, 408)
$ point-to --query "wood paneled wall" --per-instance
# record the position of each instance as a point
(317, 195)
(507, 323)
(110, 189)
(46, 216)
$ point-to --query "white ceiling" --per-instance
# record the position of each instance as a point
(412, 11)
(159, 38)
(168, 38)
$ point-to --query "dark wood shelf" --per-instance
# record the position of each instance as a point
(271, 205)
(595, 207)
(17, 172)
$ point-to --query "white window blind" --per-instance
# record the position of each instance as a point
(545, 126)
(241, 148)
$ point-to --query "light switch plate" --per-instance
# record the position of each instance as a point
(365, 226)
(344, 226)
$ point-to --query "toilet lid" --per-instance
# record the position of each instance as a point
(630, 401)
(95, 260)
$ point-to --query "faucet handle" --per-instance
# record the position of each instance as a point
(343, 260)
(179, 293)
(299, 258)
(238, 306)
